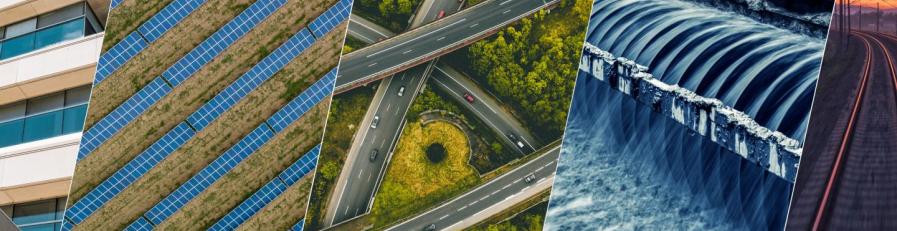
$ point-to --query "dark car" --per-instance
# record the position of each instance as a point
(529, 178)
(468, 97)
(430, 227)
(374, 155)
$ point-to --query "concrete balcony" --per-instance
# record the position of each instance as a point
(61, 66)
(37, 170)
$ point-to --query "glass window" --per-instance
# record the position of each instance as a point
(58, 33)
(60, 15)
(21, 28)
(78, 95)
(12, 111)
(2, 33)
(42, 126)
(74, 119)
(33, 212)
(40, 227)
(12, 132)
(17, 46)
(46, 103)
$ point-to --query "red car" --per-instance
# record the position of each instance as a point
(468, 97)
(441, 14)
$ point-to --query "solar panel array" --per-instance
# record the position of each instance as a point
(221, 39)
(209, 174)
(115, 3)
(129, 173)
(262, 197)
(298, 226)
(184, 68)
(330, 18)
(141, 224)
(122, 115)
(303, 102)
(303, 166)
(118, 55)
(252, 79)
(169, 16)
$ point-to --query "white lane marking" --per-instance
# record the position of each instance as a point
(372, 64)
(440, 38)
(474, 25)
(346, 211)
(365, 38)
(359, 173)
(505, 2)
(506, 11)
(389, 105)
(493, 193)
(381, 143)
(369, 28)
(462, 208)
(415, 38)
(406, 52)
(443, 217)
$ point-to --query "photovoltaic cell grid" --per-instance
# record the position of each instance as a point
(303, 102)
(209, 174)
(330, 18)
(252, 79)
(115, 3)
(221, 39)
(129, 173)
(262, 197)
(303, 166)
(118, 55)
(169, 16)
(298, 225)
(140, 224)
(185, 67)
(122, 115)
(148, 32)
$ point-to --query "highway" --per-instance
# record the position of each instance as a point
(367, 31)
(848, 174)
(484, 106)
(477, 202)
(357, 188)
(427, 42)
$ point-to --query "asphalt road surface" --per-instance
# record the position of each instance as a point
(447, 215)
(484, 106)
(848, 174)
(421, 44)
(367, 31)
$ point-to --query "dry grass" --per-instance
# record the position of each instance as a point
(192, 94)
(127, 17)
(251, 174)
(160, 55)
(412, 182)
(283, 212)
(223, 133)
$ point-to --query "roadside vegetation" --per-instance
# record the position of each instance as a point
(533, 65)
(527, 216)
(346, 112)
(352, 44)
(128, 16)
(413, 182)
(392, 14)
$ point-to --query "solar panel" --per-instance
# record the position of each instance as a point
(298, 226)
(115, 3)
(337, 13)
(262, 197)
(66, 226)
(250, 206)
(167, 18)
(135, 168)
(140, 224)
(221, 39)
(209, 174)
(121, 116)
(251, 79)
(303, 166)
(118, 55)
(303, 102)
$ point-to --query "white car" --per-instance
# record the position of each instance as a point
(375, 121)
(401, 91)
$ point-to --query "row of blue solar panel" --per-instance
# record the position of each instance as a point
(127, 111)
(184, 68)
(237, 153)
(209, 174)
(298, 226)
(263, 196)
(303, 166)
(332, 17)
(115, 3)
(130, 173)
(147, 33)
(308, 98)
(251, 79)
(220, 40)
(141, 224)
